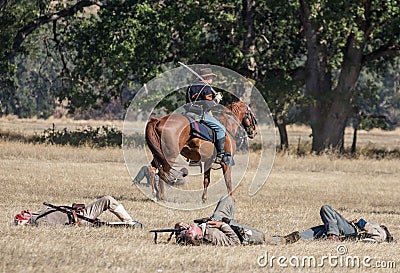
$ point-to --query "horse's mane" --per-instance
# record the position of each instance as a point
(235, 107)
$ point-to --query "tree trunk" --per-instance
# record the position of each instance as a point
(354, 144)
(330, 107)
(329, 116)
(328, 132)
(248, 13)
(284, 142)
(250, 66)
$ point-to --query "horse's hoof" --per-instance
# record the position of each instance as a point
(160, 198)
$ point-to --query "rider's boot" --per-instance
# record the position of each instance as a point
(220, 146)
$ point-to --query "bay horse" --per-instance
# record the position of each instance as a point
(170, 135)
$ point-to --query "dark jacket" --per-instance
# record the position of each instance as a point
(201, 94)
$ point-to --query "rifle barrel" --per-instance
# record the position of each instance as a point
(172, 230)
(167, 230)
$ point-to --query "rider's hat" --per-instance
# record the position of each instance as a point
(206, 72)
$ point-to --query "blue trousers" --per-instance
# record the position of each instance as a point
(214, 124)
(334, 223)
(144, 172)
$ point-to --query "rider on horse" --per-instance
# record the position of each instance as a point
(201, 98)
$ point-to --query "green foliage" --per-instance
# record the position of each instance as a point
(95, 137)
(376, 102)
(170, 103)
(282, 95)
(28, 85)
(107, 52)
(130, 41)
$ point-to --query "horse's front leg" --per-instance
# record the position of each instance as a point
(228, 177)
(206, 182)
(161, 190)
(154, 186)
(159, 185)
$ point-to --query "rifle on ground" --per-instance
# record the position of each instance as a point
(176, 231)
(74, 214)
(173, 231)
(202, 220)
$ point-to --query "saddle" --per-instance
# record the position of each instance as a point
(202, 131)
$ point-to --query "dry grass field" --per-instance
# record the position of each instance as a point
(290, 200)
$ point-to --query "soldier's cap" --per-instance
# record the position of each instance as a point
(23, 218)
(206, 72)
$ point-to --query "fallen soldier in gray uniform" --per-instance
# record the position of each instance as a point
(222, 229)
(77, 214)
(336, 228)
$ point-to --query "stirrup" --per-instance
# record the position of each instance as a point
(219, 158)
(224, 158)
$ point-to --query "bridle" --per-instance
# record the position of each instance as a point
(248, 122)
(249, 118)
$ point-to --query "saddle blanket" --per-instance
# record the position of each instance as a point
(200, 130)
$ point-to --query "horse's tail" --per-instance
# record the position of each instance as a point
(153, 140)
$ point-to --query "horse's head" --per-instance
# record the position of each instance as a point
(245, 116)
(249, 122)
